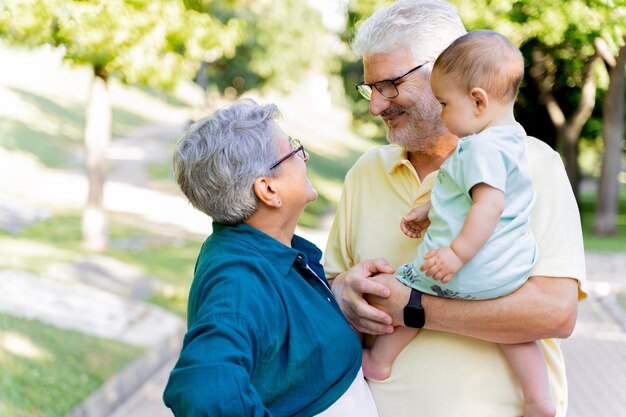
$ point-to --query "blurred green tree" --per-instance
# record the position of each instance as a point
(352, 69)
(283, 41)
(150, 42)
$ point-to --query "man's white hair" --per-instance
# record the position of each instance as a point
(423, 27)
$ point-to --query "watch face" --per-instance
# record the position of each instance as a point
(414, 317)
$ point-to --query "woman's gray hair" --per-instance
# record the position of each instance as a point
(423, 27)
(217, 161)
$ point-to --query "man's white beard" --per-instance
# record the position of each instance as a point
(423, 128)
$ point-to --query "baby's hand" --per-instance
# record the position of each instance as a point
(441, 264)
(416, 221)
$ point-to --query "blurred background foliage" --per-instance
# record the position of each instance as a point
(283, 41)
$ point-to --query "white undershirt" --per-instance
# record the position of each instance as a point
(357, 401)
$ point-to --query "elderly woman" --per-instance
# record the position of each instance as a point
(265, 335)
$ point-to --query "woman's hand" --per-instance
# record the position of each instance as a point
(351, 288)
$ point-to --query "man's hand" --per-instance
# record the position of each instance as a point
(441, 264)
(416, 221)
(350, 288)
(393, 304)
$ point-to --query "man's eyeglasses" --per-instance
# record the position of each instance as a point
(388, 88)
(295, 143)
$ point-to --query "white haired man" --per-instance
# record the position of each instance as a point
(454, 366)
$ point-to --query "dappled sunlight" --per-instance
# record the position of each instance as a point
(156, 207)
(56, 117)
(64, 83)
(31, 255)
(25, 72)
(12, 106)
(22, 346)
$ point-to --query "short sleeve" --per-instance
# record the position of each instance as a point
(482, 162)
(555, 219)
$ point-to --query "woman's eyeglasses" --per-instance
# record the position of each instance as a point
(295, 143)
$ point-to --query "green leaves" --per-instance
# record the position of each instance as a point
(552, 22)
(282, 40)
(151, 42)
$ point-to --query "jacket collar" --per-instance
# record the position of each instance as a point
(282, 257)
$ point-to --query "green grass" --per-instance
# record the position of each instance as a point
(595, 243)
(161, 171)
(172, 264)
(46, 370)
(326, 174)
(58, 239)
(57, 136)
(621, 299)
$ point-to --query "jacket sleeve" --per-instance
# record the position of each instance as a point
(221, 350)
(212, 376)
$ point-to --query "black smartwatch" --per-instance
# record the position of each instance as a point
(414, 312)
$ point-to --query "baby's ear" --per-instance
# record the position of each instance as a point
(481, 100)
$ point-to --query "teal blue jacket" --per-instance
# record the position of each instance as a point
(265, 334)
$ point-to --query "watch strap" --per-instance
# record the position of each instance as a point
(414, 312)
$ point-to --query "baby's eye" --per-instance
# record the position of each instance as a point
(442, 104)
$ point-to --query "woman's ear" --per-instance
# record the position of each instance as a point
(267, 192)
(481, 100)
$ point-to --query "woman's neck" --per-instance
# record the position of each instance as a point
(274, 223)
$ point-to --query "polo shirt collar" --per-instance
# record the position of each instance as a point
(393, 157)
(302, 252)
(396, 156)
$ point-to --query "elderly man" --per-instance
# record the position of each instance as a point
(454, 366)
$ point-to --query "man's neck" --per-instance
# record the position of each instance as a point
(426, 162)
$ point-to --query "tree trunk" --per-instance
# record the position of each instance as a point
(568, 128)
(94, 223)
(605, 219)
(568, 136)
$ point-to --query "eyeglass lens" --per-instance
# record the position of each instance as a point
(386, 88)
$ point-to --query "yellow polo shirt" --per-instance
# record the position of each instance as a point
(438, 373)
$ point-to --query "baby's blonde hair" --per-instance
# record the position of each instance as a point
(485, 59)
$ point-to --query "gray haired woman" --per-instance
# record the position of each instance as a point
(265, 335)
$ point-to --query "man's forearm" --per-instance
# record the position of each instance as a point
(542, 308)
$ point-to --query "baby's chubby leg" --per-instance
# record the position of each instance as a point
(529, 365)
(377, 360)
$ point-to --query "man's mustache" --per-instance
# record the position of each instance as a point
(391, 112)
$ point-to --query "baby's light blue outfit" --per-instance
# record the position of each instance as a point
(497, 157)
